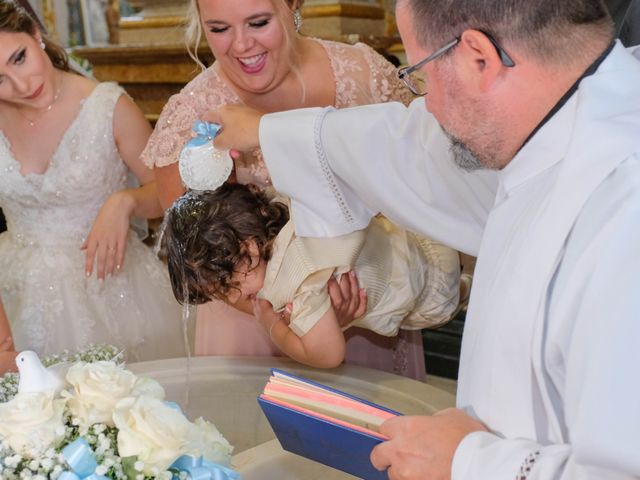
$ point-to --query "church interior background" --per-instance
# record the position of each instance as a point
(140, 45)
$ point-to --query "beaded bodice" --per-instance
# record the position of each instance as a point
(59, 206)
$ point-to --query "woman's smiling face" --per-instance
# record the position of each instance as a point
(248, 40)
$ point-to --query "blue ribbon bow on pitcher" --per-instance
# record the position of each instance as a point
(205, 132)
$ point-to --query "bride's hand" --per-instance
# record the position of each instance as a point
(107, 241)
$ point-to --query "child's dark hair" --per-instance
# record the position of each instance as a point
(205, 238)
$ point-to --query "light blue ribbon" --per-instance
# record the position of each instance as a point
(205, 132)
(197, 467)
(79, 456)
(201, 469)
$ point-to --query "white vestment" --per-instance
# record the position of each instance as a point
(551, 347)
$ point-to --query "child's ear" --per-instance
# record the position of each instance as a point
(251, 247)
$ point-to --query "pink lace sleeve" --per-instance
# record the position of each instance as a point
(363, 76)
(206, 92)
(385, 84)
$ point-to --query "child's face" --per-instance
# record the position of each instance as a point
(248, 278)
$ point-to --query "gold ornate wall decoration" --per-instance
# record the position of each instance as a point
(49, 19)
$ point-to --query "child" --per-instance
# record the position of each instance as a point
(234, 244)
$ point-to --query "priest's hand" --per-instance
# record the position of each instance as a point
(348, 300)
(240, 128)
(423, 447)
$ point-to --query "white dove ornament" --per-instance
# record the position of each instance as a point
(34, 377)
(202, 166)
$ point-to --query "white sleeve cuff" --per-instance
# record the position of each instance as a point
(486, 456)
(295, 157)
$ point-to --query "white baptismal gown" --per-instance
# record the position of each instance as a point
(50, 303)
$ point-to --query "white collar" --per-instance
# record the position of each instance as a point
(601, 95)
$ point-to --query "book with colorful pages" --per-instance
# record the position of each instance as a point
(324, 424)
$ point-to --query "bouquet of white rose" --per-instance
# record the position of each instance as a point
(101, 422)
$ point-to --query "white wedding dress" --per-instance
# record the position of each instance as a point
(50, 303)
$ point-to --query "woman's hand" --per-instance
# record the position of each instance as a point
(349, 301)
(107, 241)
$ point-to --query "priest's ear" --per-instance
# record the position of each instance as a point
(482, 60)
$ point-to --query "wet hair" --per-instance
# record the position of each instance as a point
(551, 30)
(15, 19)
(206, 235)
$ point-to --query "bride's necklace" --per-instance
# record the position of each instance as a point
(46, 110)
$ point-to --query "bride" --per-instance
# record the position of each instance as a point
(71, 271)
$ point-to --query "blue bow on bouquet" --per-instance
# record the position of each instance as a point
(80, 458)
(201, 469)
(197, 467)
(205, 132)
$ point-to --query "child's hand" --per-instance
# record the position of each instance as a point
(265, 314)
(348, 300)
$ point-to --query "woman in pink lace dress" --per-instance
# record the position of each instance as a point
(262, 61)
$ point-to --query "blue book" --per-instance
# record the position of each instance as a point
(324, 424)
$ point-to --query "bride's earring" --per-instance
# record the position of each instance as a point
(297, 19)
(42, 45)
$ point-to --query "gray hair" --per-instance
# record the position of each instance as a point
(550, 30)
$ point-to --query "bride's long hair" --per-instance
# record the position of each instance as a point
(15, 19)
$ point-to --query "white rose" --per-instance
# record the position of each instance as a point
(205, 440)
(97, 387)
(150, 430)
(31, 422)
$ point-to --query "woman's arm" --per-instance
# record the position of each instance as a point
(131, 132)
(6, 340)
(169, 184)
(107, 240)
(323, 346)
(7, 349)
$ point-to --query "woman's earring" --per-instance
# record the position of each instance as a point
(297, 19)
(42, 45)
